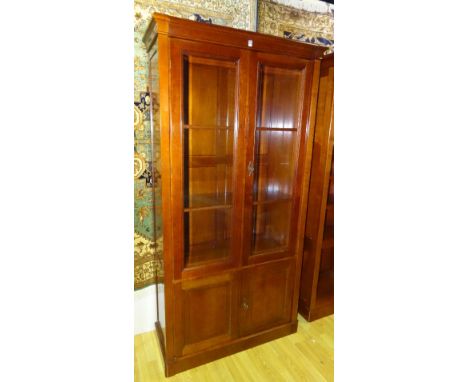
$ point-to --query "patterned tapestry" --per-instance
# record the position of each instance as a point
(294, 23)
(274, 18)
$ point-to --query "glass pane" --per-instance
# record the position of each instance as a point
(207, 235)
(279, 97)
(274, 164)
(210, 88)
(271, 230)
(210, 92)
(208, 167)
(278, 119)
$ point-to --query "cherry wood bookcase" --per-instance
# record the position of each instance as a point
(316, 291)
(236, 114)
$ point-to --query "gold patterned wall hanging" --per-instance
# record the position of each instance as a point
(276, 19)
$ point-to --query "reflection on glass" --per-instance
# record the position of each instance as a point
(279, 98)
(210, 88)
(274, 164)
(210, 92)
(208, 235)
(278, 119)
(271, 230)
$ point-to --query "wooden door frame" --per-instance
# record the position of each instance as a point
(308, 85)
(179, 49)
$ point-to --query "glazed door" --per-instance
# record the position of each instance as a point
(207, 160)
(276, 146)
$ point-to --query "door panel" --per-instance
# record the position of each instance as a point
(266, 296)
(276, 137)
(207, 121)
(206, 311)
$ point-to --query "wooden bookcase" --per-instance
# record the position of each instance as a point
(237, 114)
(316, 291)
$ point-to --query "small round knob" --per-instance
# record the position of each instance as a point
(245, 306)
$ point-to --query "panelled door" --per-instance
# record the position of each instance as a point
(275, 156)
(206, 312)
(266, 295)
(208, 164)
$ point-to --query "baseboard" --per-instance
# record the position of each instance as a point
(160, 335)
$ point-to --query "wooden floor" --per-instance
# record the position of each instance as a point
(304, 356)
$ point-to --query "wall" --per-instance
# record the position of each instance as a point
(145, 308)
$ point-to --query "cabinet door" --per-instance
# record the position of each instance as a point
(266, 296)
(280, 87)
(206, 312)
(206, 156)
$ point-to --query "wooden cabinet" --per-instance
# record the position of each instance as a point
(316, 292)
(236, 114)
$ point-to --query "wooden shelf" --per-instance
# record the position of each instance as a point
(272, 199)
(207, 127)
(195, 161)
(262, 128)
(207, 201)
(328, 238)
(263, 243)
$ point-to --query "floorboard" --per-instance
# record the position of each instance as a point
(304, 356)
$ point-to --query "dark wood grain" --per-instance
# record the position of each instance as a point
(165, 132)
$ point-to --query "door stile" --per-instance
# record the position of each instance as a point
(251, 118)
(168, 252)
(240, 158)
(176, 152)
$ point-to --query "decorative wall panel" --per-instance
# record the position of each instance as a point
(285, 21)
(307, 5)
